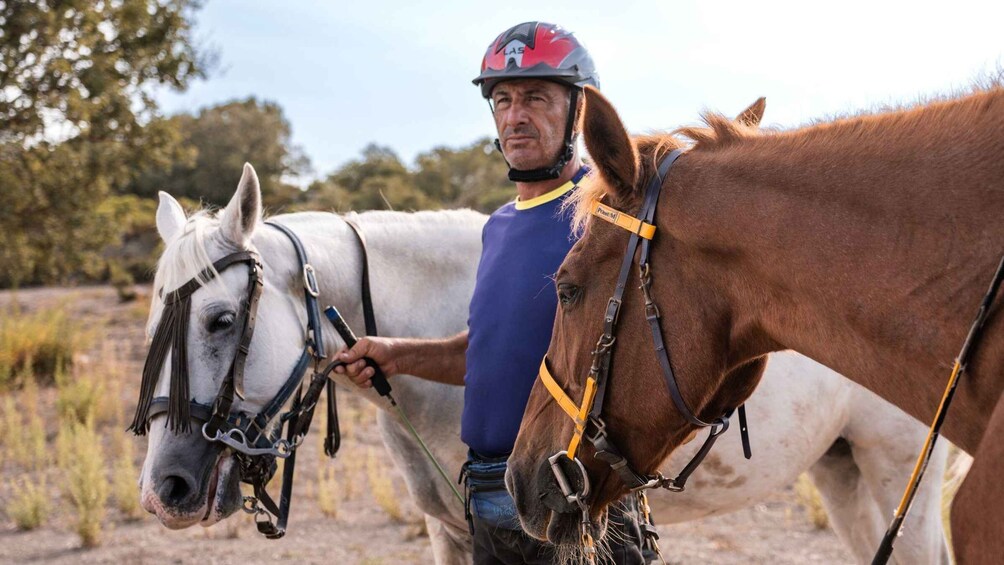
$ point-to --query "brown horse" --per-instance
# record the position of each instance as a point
(865, 243)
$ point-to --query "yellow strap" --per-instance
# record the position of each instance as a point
(620, 219)
(556, 391)
(580, 422)
(576, 413)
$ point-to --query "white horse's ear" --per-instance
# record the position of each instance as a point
(243, 213)
(170, 217)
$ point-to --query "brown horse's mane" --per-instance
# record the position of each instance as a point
(720, 132)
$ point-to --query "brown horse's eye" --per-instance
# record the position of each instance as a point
(568, 293)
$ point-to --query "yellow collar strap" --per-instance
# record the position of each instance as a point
(577, 414)
(620, 219)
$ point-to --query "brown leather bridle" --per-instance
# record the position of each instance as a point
(587, 414)
(255, 438)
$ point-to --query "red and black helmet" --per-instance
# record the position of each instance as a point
(536, 50)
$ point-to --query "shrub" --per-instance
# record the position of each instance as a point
(30, 506)
(86, 481)
(37, 344)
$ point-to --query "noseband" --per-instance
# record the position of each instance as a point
(587, 415)
(254, 438)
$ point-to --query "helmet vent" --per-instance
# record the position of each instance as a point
(526, 33)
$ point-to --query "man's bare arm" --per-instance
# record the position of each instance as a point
(440, 360)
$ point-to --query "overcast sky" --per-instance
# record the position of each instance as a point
(398, 73)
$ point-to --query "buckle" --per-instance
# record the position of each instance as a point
(310, 280)
(613, 311)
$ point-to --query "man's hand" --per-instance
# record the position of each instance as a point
(381, 350)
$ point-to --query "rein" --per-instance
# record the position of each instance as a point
(254, 438)
(972, 338)
(587, 415)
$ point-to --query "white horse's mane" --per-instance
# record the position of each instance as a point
(186, 256)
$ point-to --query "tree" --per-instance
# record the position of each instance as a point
(218, 141)
(474, 176)
(76, 112)
(378, 181)
(87, 66)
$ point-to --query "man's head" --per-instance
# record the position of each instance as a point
(532, 75)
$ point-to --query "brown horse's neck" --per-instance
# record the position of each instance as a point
(865, 244)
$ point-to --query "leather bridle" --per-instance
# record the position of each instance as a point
(587, 414)
(255, 438)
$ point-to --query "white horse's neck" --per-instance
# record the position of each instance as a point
(421, 268)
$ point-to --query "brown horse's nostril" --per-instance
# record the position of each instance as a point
(174, 490)
(550, 492)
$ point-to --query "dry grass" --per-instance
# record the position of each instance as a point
(382, 486)
(79, 397)
(808, 497)
(37, 343)
(125, 480)
(24, 429)
(85, 478)
(327, 491)
(30, 506)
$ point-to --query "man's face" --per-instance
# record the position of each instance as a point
(530, 116)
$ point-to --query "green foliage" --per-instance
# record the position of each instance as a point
(87, 64)
(77, 115)
(473, 176)
(219, 140)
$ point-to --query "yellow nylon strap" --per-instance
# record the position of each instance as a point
(580, 422)
(557, 392)
(620, 219)
(576, 413)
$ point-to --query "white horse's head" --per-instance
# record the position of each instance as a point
(187, 479)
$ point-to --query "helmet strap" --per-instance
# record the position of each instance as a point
(554, 171)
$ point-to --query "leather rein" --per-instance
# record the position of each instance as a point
(255, 438)
(587, 414)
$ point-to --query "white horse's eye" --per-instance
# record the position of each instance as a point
(221, 322)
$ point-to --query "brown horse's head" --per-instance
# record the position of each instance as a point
(639, 413)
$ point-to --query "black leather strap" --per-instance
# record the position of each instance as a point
(369, 317)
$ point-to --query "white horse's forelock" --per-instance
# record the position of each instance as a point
(187, 256)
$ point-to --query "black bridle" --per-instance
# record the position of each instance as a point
(255, 438)
(587, 415)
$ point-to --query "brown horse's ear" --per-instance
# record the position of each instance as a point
(751, 116)
(612, 150)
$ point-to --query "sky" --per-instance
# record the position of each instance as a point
(398, 73)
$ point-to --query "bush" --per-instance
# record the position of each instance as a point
(30, 506)
(86, 481)
(37, 345)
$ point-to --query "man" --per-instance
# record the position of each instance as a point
(532, 76)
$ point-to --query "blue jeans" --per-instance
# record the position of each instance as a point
(487, 498)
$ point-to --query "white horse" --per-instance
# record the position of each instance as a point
(422, 265)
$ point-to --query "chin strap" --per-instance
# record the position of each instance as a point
(554, 171)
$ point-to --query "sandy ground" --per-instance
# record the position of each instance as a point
(775, 531)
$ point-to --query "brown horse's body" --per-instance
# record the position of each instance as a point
(865, 243)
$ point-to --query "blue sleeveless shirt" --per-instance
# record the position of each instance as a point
(512, 314)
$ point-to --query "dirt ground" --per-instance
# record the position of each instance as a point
(363, 529)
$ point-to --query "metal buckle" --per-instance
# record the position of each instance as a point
(310, 280)
(613, 311)
(577, 498)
